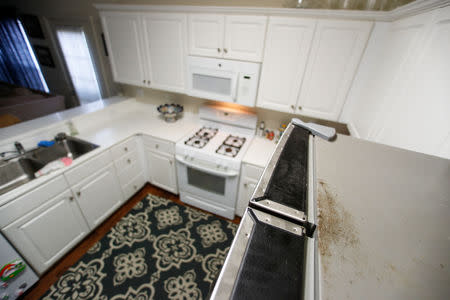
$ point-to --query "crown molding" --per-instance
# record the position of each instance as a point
(413, 8)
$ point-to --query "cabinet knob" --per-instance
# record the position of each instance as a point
(293, 107)
(300, 108)
(71, 198)
(171, 162)
(129, 161)
(135, 187)
(245, 185)
(156, 146)
(218, 50)
(78, 194)
(225, 50)
(126, 149)
(144, 81)
(148, 82)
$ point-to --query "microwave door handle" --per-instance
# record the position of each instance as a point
(235, 90)
(206, 170)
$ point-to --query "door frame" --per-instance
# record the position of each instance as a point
(88, 26)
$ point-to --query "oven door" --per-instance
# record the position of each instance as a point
(210, 185)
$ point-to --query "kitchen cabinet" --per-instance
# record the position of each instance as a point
(332, 64)
(308, 69)
(122, 32)
(161, 163)
(285, 56)
(129, 164)
(164, 38)
(99, 195)
(250, 175)
(238, 37)
(46, 233)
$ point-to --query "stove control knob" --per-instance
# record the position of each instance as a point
(225, 168)
(186, 157)
(192, 158)
(218, 166)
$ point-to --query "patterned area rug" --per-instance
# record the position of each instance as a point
(159, 250)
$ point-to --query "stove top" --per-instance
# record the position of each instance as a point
(201, 137)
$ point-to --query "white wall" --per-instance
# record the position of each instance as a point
(401, 94)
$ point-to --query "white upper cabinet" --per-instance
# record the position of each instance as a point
(286, 53)
(122, 36)
(165, 47)
(334, 58)
(233, 37)
(244, 37)
(206, 34)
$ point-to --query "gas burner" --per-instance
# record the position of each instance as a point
(234, 141)
(196, 141)
(207, 132)
(228, 150)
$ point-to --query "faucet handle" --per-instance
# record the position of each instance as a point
(60, 137)
(19, 147)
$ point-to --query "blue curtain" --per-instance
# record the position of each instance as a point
(16, 64)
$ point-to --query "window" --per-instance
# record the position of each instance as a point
(77, 56)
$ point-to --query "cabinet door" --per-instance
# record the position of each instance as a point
(247, 186)
(45, 234)
(244, 37)
(286, 52)
(122, 36)
(335, 54)
(162, 171)
(165, 46)
(206, 33)
(99, 195)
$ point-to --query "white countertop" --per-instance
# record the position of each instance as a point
(386, 221)
(259, 152)
(109, 126)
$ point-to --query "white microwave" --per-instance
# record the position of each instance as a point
(223, 80)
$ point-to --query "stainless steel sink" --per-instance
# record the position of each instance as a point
(21, 170)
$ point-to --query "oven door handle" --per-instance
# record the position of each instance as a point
(207, 170)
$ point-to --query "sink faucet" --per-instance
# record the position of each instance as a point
(19, 148)
(62, 138)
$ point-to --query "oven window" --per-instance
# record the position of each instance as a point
(212, 84)
(205, 181)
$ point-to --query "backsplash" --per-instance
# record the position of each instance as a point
(272, 119)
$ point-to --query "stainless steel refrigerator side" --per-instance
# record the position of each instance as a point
(228, 274)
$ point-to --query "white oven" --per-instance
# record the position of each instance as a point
(206, 186)
(223, 80)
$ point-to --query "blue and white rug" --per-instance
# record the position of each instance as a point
(159, 250)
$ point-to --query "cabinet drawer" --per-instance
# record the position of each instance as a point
(159, 145)
(127, 160)
(251, 171)
(130, 171)
(31, 200)
(125, 147)
(88, 168)
(134, 185)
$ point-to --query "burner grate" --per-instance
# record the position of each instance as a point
(201, 137)
(207, 132)
(234, 141)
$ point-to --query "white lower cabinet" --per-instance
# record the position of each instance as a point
(99, 195)
(162, 171)
(46, 233)
(130, 163)
(250, 175)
